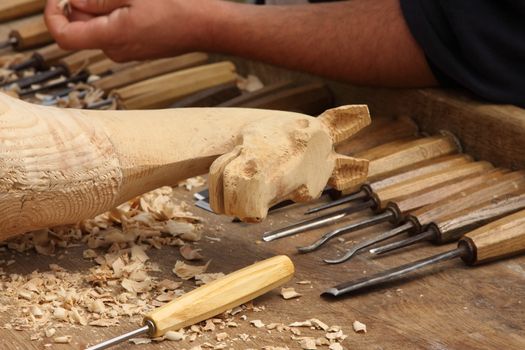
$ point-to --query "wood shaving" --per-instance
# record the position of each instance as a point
(359, 327)
(304, 282)
(191, 183)
(319, 324)
(289, 293)
(65, 339)
(221, 336)
(307, 323)
(187, 272)
(174, 336)
(257, 323)
(308, 343)
(205, 278)
(140, 341)
(189, 253)
(335, 346)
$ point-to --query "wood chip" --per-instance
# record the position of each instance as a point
(189, 253)
(308, 343)
(140, 341)
(335, 346)
(186, 272)
(65, 339)
(289, 293)
(304, 282)
(257, 323)
(205, 278)
(221, 336)
(319, 324)
(306, 323)
(359, 327)
(175, 336)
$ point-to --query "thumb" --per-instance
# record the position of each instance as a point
(98, 7)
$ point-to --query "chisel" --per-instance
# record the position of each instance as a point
(378, 200)
(417, 220)
(395, 157)
(449, 228)
(389, 202)
(497, 240)
(151, 69)
(42, 58)
(13, 9)
(28, 34)
(160, 92)
(212, 299)
(67, 66)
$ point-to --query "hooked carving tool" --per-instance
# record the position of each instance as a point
(497, 240)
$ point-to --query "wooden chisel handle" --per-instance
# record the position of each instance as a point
(402, 154)
(439, 192)
(78, 61)
(13, 9)
(427, 167)
(30, 34)
(163, 90)
(381, 131)
(499, 239)
(450, 228)
(508, 184)
(107, 65)
(392, 193)
(150, 70)
(221, 295)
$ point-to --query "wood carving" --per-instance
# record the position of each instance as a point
(60, 166)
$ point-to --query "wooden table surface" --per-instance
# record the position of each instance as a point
(449, 306)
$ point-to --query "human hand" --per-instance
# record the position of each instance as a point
(133, 29)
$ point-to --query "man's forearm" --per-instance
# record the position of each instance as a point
(361, 41)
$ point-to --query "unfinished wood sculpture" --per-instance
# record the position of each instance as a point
(60, 166)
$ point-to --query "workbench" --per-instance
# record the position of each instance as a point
(449, 306)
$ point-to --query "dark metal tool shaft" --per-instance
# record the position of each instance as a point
(347, 199)
(147, 329)
(393, 274)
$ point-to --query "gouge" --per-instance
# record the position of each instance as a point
(212, 299)
(386, 201)
(395, 157)
(27, 35)
(161, 91)
(449, 228)
(13, 9)
(67, 66)
(42, 58)
(499, 186)
(453, 167)
(151, 69)
(497, 240)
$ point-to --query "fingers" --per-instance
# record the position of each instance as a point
(98, 7)
(88, 33)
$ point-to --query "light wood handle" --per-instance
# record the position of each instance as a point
(13, 9)
(107, 65)
(223, 294)
(163, 90)
(392, 193)
(381, 131)
(30, 34)
(450, 228)
(393, 157)
(509, 183)
(499, 239)
(50, 55)
(420, 169)
(150, 70)
(80, 60)
(441, 191)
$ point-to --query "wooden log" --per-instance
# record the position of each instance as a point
(60, 166)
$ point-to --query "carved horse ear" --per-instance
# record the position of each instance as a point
(344, 122)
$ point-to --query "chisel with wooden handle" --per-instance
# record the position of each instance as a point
(492, 186)
(29, 34)
(497, 240)
(396, 157)
(378, 200)
(13, 9)
(42, 58)
(212, 299)
(149, 70)
(161, 91)
(67, 66)
(449, 228)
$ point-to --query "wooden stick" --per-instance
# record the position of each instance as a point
(60, 166)
(13, 9)
(30, 34)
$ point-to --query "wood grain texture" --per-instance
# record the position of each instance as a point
(80, 60)
(506, 185)
(62, 166)
(405, 188)
(449, 228)
(13, 9)
(501, 238)
(223, 294)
